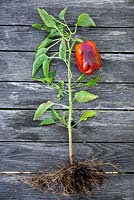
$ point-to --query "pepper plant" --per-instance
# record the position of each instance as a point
(61, 36)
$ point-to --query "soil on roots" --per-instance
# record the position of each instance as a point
(80, 178)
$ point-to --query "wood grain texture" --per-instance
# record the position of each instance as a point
(25, 38)
(107, 126)
(122, 188)
(30, 95)
(24, 146)
(22, 156)
(17, 66)
(105, 12)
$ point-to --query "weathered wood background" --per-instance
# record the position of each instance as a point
(24, 146)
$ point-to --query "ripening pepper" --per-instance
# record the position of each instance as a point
(87, 57)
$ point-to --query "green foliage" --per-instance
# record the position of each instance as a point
(62, 50)
(84, 20)
(53, 33)
(38, 78)
(93, 81)
(80, 78)
(48, 20)
(62, 13)
(87, 114)
(47, 121)
(60, 35)
(42, 109)
(51, 76)
(60, 88)
(78, 40)
(40, 51)
(37, 26)
(38, 62)
(44, 43)
(55, 114)
(45, 67)
(84, 96)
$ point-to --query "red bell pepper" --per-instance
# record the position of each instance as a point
(87, 57)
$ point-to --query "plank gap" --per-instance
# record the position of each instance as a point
(70, 25)
(103, 109)
(64, 142)
(98, 83)
(53, 51)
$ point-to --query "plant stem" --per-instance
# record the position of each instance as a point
(57, 41)
(70, 105)
(76, 123)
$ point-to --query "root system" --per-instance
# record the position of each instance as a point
(80, 178)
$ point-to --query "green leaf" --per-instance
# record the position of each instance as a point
(80, 78)
(87, 114)
(41, 51)
(45, 67)
(91, 82)
(53, 33)
(41, 27)
(61, 28)
(85, 96)
(37, 78)
(85, 20)
(47, 121)
(42, 109)
(62, 50)
(52, 75)
(78, 40)
(44, 43)
(38, 62)
(46, 18)
(37, 26)
(55, 114)
(45, 28)
(62, 13)
(49, 79)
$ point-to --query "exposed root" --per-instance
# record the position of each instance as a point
(79, 178)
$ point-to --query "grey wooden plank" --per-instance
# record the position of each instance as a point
(17, 66)
(28, 156)
(30, 95)
(108, 40)
(105, 12)
(122, 188)
(107, 126)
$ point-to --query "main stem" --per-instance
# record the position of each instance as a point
(70, 106)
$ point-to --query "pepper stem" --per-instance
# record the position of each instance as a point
(71, 155)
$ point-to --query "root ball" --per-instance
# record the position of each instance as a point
(80, 178)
